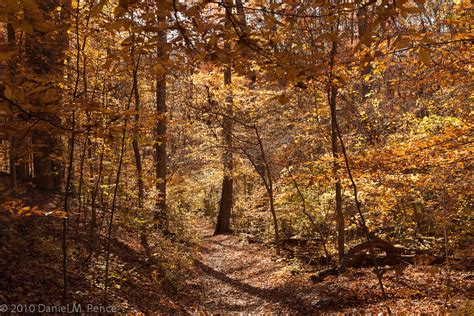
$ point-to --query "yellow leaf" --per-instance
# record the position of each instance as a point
(402, 43)
(4, 109)
(4, 56)
(119, 11)
(29, 4)
(23, 210)
(98, 8)
(411, 10)
(27, 27)
(192, 11)
(212, 40)
(51, 95)
(159, 70)
(43, 26)
(11, 5)
(35, 210)
(127, 42)
(119, 24)
(283, 99)
(424, 56)
(8, 93)
(59, 214)
(274, 6)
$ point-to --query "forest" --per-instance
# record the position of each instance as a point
(236, 157)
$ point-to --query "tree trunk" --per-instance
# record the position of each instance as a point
(44, 58)
(225, 206)
(11, 74)
(80, 195)
(66, 210)
(112, 212)
(269, 187)
(93, 223)
(332, 98)
(362, 20)
(135, 143)
(19, 150)
(161, 215)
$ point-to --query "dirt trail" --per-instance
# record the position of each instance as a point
(232, 276)
(235, 276)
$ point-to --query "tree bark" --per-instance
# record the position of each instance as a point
(225, 206)
(362, 20)
(11, 37)
(93, 223)
(66, 209)
(112, 212)
(81, 196)
(269, 187)
(135, 143)
(44, 58)
(161, 215)
(332, 98)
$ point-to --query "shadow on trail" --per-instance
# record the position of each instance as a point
(284, 296)
(213, 244)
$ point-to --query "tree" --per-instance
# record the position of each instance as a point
(161, 127)
(226, 201)
(45, 60)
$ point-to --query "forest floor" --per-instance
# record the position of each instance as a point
(233, 275)
(209, 275)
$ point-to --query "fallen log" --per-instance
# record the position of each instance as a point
(251, 239)
(320, 275)
(377, 243)
(298, 241)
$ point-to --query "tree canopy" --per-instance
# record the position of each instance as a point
(336, 133)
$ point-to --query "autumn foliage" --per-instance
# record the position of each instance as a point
(338, 134)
